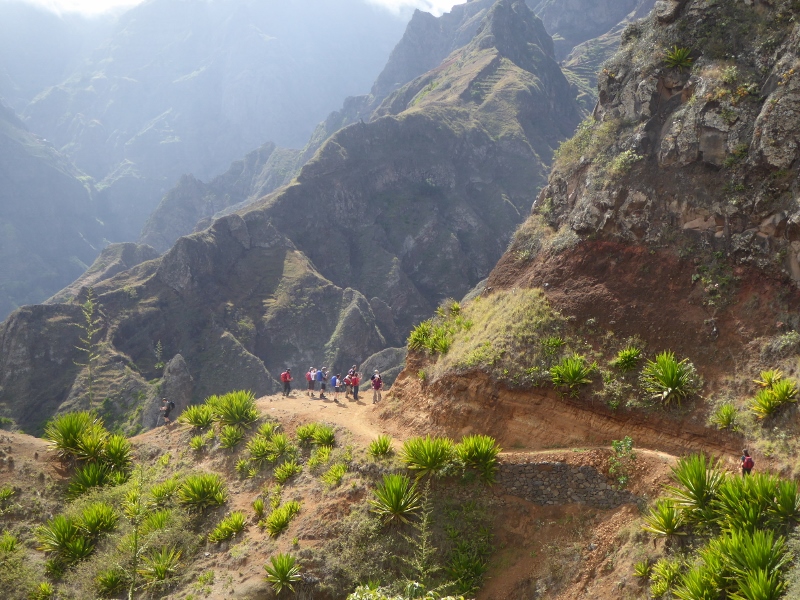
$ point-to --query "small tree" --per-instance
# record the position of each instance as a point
(159, 352)
(89, 345)
(620, 463)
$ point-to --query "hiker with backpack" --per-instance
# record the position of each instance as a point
(166, 408)
(286, 379)
(335, 381)
(354, 381)
(322, 377)
(377, 384)
(747, 463)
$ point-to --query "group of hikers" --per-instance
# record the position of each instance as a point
(319, 379)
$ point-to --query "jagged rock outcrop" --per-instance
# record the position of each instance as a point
(176, 386)
(47, 217)
(706, 150)
(389, 218)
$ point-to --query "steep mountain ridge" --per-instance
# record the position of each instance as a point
(338, 265)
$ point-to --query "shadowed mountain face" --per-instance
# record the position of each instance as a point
(49, 232)
(391, 216)
(186, 87)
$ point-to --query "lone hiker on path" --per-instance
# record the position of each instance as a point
(747, 463)
(166, 408)
(286, 378)
(377, 384)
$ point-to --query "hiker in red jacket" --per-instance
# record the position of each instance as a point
(286, 378)
(354, 381)
(377, 385)
(747, 463)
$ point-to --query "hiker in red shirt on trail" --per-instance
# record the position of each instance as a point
(747, 463)
(354, 381)
(286, 379)
(377, 384)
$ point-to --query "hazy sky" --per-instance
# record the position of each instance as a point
(99, 6)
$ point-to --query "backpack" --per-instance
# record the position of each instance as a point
(285, 376)
(171, 405)
(748, 463)
(308, 376)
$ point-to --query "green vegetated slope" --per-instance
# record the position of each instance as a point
(47, 217)
(300, 510)
(390, 217)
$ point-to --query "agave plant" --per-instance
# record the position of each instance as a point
(199, 492)
(380, 446)
(88, 476)
(110, 582)
(668, 379)
(8, 543)
(64, 432)
(419, 338)
(479, 452)
(427, 456)
(642, 568)
(395, 499)
(162, 493)
(761, 550)
(260, 449)
(678, 58)
(769, 378)
(305, 434)
(760, 585)
(63, 537)
(698, 584)
(157, 520)
(281, 447)
(258, 508)
(725, 417)
(663, 576)
(230, 436)
(664, 519)
(785, 510)
(744, 503)
(282, 572)
(785, 391)
(572, 372)
(279, 519)
(319, 457)
(627, 359)
(98, 518)
(42, 591)
(765, 403)
(199, 416)
(268, 429)
(197, 443)
(235, 409)
(287, 470)
(228, 527)
(92, 444)
(117, 453)
(698, 482)
(160, 565)
(324, 435)
(333, 476)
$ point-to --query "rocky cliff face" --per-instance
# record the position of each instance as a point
(706, 151)
(47, 216)
(389, 218)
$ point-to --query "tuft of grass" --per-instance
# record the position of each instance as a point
(118, 454)
(237, 409)
(8, 543)
(199, 416)
(228, 527)
(279, 519)
(642, 568)
(678, 58)
(268, 429)
(333, 476)
(324, 435)
(380, 446)
(664, 519)
(89, 476)
(668, 379)
(427, 456)
(110, 582)
(230, 436)
(156, 521)
(664, 575)
(627, 359)
(320, 456)
(160, 565)
(769, 378)
(305, 434)
(479, 452)
(395, 499)
(282, 572)
(98, 518)
(197, 443)
(572, 372)
(259, 508)
(725, 417)
(64, 432)
(287, 470)
(199, 492)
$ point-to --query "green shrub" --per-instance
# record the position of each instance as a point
(324, 435)
(162, 493)
(199, 492)
(765, 404)
(197, 443)
(427, 456)
(287, 470)
(279, 519)
(668, 379)
(88, 476)
(572, 372)
(98, 518)
(110, 582)
(380, 446)
(160, 565)
(664, 575)
(395, 499)
(92, 444)
(627, 359)
(260, 449)
(320, 456)
(725, 417)
(281, 447)
(8, 543)
(230, 436)
(679, 58)
(479, 452)
(697, 584)
(243, 467)
(63, 537)
(744, 503)
(785, 509)
(156, 521)
(760, 585)
(664, 519)
(235, 409)
(268, 429)
(117, 453)
(258, 508)
(769, 378)
(64, 432)
(333, 476)
(305, 434)
(642, 568)
(419, 338)
(42, 591)
(199, 416)
(228, 527)
(282, 572)
(698, 482)
(621, 461)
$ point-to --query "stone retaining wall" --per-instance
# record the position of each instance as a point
(560, 483)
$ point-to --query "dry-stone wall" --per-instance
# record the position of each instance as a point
(560, 483)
